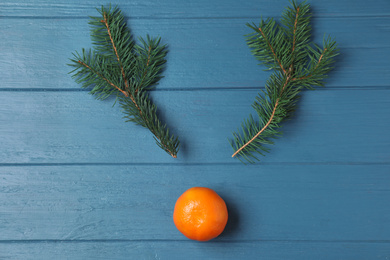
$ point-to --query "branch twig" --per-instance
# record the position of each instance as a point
(268, 122)
(102, 77)
(262, 129)
(310, 75)
(295, 29)
(272, 49)
(147, 65)
(105, 21)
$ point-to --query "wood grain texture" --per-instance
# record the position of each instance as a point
(77, 182)
(222, 47)
(196, 9)
(174, 250)
(275, 202)
(330, 126)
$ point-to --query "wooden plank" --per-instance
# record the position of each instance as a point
(203, 53)
(343, 126)
(305, 250)
(76, 182)
(197, 9)
(281, 202)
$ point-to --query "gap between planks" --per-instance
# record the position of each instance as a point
(363, 16)
(190, 89)
(38, 241)
(190, 164)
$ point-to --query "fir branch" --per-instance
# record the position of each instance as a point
(267, 44)
(103, 78)
(119, 66)
(277, 59)
(105, 22)
(297, 63)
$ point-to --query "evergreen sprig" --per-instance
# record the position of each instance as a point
(297, 64)
(119, 66)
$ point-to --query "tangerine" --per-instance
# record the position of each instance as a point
(200, 214)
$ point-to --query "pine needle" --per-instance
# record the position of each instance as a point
(297, 63)
(119, 66)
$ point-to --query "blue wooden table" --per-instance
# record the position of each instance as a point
(77, 182)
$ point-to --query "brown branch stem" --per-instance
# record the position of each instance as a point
(262, 129)
(294, 40)
(295, 29)
(318, 63)
(272, 50)
(102, 77)
(147, 65)
(268, 122)
(319, 60)
(105, 21)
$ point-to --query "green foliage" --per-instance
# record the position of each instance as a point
(119, 66)
(297, 63)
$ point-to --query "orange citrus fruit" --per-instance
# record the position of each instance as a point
(200, 214)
